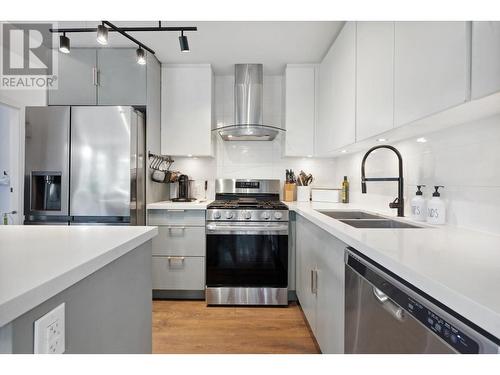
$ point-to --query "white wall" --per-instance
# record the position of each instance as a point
(465, 159)
(9, 160)
(260, 159)
(5, 134)
(19, 99)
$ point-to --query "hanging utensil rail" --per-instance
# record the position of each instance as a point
(156, 161)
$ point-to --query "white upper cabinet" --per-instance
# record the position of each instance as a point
(300, 113)
(431, 68)
(485, 58)
(187, 110)
(337, 94)
(375, 78)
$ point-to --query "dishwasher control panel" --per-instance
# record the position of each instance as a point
(447, 332)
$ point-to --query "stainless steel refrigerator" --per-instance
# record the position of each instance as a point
(84, 165)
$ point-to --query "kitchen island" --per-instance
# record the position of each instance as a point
(101, 273)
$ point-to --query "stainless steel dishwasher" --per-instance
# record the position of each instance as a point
(385, 314)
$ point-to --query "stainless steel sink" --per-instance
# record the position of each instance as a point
(350, 215)
(383, 223)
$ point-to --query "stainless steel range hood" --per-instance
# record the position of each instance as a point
(248, 123)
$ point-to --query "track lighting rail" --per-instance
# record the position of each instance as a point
(126, 29)
(119, 30)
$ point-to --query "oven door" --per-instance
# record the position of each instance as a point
(247, 254)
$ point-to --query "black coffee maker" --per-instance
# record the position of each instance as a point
(183, 191)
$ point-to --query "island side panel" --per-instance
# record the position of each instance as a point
(107, 312)
(6, 339)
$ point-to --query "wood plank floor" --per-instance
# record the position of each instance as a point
(192, 327)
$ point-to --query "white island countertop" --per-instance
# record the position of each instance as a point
(458, 267)
(38, 262)
(169, 205)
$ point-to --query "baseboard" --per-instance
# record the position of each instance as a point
(160, 294)
(179, 294)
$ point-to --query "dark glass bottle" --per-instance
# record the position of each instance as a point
(345, 190)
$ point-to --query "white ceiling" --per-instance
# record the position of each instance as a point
(224, 44)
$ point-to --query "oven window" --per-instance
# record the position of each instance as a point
(247, 260)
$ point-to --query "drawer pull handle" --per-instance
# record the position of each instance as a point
(175, 210)
(314, 281)
(176, 227)
(175, 261)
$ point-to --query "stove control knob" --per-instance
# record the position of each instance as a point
(278, 215)
(265, 215)
(216, 214)
(247, 215)
(229, 215)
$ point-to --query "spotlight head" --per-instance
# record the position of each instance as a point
(64, 45)
(183, 41)
(102, 35)
(141, 56)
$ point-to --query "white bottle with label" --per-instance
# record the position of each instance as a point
(436, 208)
(419, 205)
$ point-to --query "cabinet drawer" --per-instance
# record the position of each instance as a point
(177, 217)
(179, 240)
(178, 273)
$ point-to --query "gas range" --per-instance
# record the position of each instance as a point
(247, 244)
(244, 209)
(247, 200)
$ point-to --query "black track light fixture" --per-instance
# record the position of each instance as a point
(106, 27)
(141, 56)
(183, 41)
(64, 45)
(102, 34)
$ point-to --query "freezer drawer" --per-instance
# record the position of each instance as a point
(179, 240)
(178, 273)
(177, 217)
(386, 315)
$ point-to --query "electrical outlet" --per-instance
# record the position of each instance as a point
(49, 337)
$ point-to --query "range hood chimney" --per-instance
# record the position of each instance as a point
(248, 103)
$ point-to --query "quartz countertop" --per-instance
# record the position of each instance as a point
(38, 262)
(458, 267)
(169, 205)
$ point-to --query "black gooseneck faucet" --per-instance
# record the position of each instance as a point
(399, 201)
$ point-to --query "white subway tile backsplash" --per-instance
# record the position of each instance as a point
(464, 158)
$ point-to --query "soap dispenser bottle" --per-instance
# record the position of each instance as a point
(419, 205)
(436, 209)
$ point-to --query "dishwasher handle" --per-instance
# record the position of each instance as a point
(388, 305)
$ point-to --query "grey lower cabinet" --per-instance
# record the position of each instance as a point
(320, 283)
(178, 254)
(103, 76)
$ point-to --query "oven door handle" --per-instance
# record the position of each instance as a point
(217, 228)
